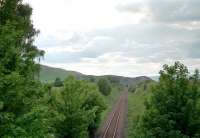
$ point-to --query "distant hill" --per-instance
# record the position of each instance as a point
(156, 78)
(49, 74)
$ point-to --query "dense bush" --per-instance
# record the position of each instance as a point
(58, 82)
(174, 108)
(81, 105)
(104, 86)
(132, 89)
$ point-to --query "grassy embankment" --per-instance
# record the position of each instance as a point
(136, 106)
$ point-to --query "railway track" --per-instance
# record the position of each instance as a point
(111, 130)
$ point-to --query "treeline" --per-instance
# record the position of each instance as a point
(28, 108)
(173, 109)
(104, 85)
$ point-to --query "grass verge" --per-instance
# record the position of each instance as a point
(136, 107)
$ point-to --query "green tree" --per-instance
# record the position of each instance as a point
(174, 108)
(113, 79)
(17, 34)
(104, 86)
(58, 82)
(23, 108)
(81, 106)
(28, 108)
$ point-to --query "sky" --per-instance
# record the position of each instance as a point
(119, 37)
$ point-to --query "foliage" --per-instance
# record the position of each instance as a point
(28, 109)
(113, 79)
(173, 110)
(58, 82)
(132, 89)
(23, 109)
(104, 86)
(81, 105)
(17, 53)
(135, 109)
(136, 106)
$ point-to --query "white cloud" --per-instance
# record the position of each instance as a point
(117, 37)
(78, 15)
(111, 63)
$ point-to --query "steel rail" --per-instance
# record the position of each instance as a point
(116, 125)
(117, 112)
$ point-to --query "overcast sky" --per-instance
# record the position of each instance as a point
(121, 37)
